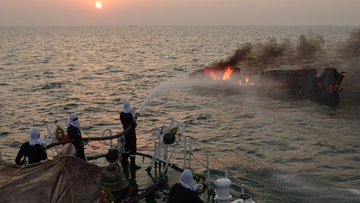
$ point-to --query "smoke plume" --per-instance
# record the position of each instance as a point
(239, 55)
(351, 47)
(306, 52)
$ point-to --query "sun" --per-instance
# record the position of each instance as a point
(98, 5)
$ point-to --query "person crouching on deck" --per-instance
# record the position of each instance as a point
(113, 178)
(74, 134)
(33, 150)
(184, 190)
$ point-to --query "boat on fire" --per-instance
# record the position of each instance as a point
(65, 178)
(324, 87)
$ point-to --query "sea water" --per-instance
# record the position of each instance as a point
(283, 149)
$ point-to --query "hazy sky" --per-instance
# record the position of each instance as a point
(179, 12)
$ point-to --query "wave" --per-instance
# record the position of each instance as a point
(52, 85)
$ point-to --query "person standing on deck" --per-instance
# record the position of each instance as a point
(33, 150)
(74, 134)
(128, 118)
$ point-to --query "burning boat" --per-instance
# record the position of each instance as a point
(260, 61)
(227, 74)
(307, 83)
(217, 73)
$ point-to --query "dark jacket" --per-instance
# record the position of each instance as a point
(74, 134)
(180, 194)
(130, 137)
(127, 119)
(36, 153)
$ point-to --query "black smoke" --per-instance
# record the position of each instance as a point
(351, 47)
(281, 54)
(240, 55)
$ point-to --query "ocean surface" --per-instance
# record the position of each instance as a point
(282, 148)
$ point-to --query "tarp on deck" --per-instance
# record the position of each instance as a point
(64, 179)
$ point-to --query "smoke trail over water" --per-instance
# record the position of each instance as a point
(307, 51)
(351, 47)
(275, 54)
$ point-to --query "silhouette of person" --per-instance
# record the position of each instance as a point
(114, 179)
(74, 135)
(128, 118)
(33, 150)
(184, 190)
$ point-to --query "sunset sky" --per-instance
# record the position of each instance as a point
(178, 12)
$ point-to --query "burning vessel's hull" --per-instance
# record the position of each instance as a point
(229, 74)
(305, 83)
(302, 82)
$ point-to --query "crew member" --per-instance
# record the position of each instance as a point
(128, 118)
(184, 191)
(33, 150)
(74, 135)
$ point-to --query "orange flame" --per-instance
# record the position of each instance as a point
(246, 81)
(211, 74)
(214, 76)
(227, 74)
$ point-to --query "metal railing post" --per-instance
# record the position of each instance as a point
(185, 150)
(190, 152)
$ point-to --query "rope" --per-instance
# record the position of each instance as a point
(147, 191)
(68, 177)
(227, 168)
(23, 166)
(10, 177)
(201, 163)
(148, 144)
(87, 143)
(85, 133)
(195, 141)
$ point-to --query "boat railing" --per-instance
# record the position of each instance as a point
(53, 137)
(180, 148)
(183, 149)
